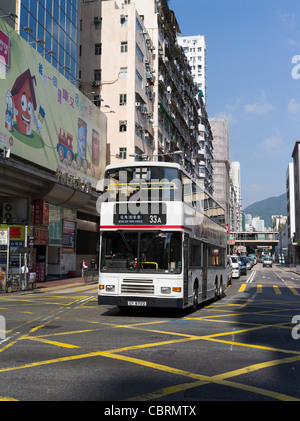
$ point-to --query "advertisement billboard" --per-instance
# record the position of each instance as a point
(45, 118)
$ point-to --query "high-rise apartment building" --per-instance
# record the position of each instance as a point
(221, 165)
(194, 48)
(235, 175)
(291, 228)
(195, 51)
(296, 164)
(132, 63)
(51, 27)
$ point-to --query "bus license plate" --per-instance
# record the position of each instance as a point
(137, 303)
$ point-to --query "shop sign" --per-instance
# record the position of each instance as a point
(41, 212)
(3, 237)
(16, 234)
(4, 48)
(41, 236)
(69, 233)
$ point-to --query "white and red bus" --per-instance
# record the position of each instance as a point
(162, 238)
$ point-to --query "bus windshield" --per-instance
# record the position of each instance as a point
(143, 252)
(147, 183)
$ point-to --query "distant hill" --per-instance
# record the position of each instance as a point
(268, 207)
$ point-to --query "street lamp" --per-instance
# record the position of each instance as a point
(51, 53)
(37, 41)
(10, 15)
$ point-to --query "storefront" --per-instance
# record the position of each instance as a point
(51, 165)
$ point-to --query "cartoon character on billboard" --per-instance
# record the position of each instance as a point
(9, 113)
(22, 96)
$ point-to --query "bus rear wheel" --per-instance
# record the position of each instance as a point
(195, 297)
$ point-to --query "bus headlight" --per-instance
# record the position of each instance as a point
(165, 290)
(110, 288)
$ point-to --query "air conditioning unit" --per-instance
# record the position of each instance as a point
(96, 83)
(137, 104)
(9, 212)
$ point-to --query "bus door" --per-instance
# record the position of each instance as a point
(204, 269)
(185, 269)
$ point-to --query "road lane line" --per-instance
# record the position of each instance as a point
(277, 290)
(294, 291)
(49, 342)
(259, 289)
(242, 288)
(251, 277)
(280, 277)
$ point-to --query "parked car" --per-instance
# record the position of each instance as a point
(249, 263)
(267, 261)
(243, 265)
(229, 270)
(253, 258)
(235, 266)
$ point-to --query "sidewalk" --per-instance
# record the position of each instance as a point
(288, 269)
(58, 284)
(52, 285)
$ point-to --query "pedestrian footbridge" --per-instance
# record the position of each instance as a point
(254, 240)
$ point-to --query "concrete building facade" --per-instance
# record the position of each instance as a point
(195, 50)
(296, 165)
(290, 222)
(221, 165)
(160, 118)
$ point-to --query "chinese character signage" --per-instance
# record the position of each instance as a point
(4, 48)
(3, 237)
(46, 119)
(16, 234)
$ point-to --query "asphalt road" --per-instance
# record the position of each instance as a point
(61, 346)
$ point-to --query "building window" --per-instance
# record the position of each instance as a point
(123, 99)
(124, 20)
(98, 49)
(122, 153)
(123, 126)
(123, 73)
(98, 23)
(124, 47)
(97, 101)
(139, 53)
(97, 74)
(138, 78)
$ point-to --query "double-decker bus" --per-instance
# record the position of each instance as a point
(162, 238)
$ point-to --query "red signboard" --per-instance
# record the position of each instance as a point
(4, 48)
(41, 236)
(41, 212)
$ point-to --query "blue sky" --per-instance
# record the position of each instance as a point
(250, 48)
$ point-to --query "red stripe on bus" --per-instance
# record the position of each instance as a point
(114, 227)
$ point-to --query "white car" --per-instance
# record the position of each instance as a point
(235, 266)
(267, 261)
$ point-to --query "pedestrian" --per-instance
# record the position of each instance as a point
(93, 264)
(84, 266)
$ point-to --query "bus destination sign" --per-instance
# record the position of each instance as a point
(149, 214)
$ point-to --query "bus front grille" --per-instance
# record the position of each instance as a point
(140, 286)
